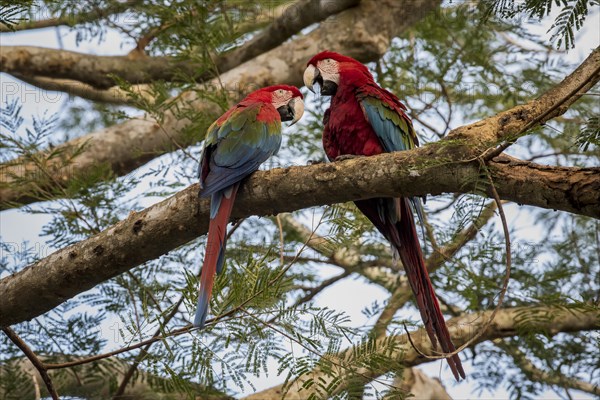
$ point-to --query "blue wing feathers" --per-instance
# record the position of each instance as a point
(393, 132)
(235, 150)
(388, 132)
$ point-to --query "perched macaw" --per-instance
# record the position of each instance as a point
(235, 145)
(365, 119)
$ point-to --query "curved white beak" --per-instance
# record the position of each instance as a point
(309, 77)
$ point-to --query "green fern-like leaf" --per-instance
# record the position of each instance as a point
(12, 14)
(569, 20)
(590, 134)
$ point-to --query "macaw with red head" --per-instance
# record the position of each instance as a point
(235, 146)
(365, 119)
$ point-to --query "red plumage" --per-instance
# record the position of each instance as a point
(215, 248)
(348, 131)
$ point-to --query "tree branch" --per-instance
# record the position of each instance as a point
(550, 378)
(296, 17)
(144, 352)
(508, 322)
(12, 335)
(98, 71)
(364, 32)
(113, 95)
(93, 70)
(162, 227)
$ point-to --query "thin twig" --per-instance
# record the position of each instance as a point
(173, 333)
(59, 347)
(135, 311)
(72, 19)
(37, 363)
(312, 292)
(313, 351)
(402, 293)
(281, 244)
(144, 351)
(149, 292)
(235, 227)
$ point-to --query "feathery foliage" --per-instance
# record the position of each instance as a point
(570, 19)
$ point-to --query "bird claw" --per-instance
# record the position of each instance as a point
(346, 157)
(313, 162)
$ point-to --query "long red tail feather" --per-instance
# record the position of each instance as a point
(403, 236)
(214, 256)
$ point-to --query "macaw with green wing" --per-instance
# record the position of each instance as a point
(235, 146)
(364, 119)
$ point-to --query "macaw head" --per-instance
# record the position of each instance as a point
(330, 70)
(287, 100)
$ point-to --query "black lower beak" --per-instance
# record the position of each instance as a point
(286, 113)
(328, 88)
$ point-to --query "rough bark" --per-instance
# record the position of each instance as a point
(363, 32)
(421, 386)
(88, 68)
(508, 322)
(155, 231)
(96, 70)
(113, 95)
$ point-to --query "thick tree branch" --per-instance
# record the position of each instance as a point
(295, 18)
(508, 322)
(98, 71)
(364, 32)
(113, 95)
(158, 229)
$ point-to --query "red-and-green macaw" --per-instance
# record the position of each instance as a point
(365, 119)
(235, 145)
